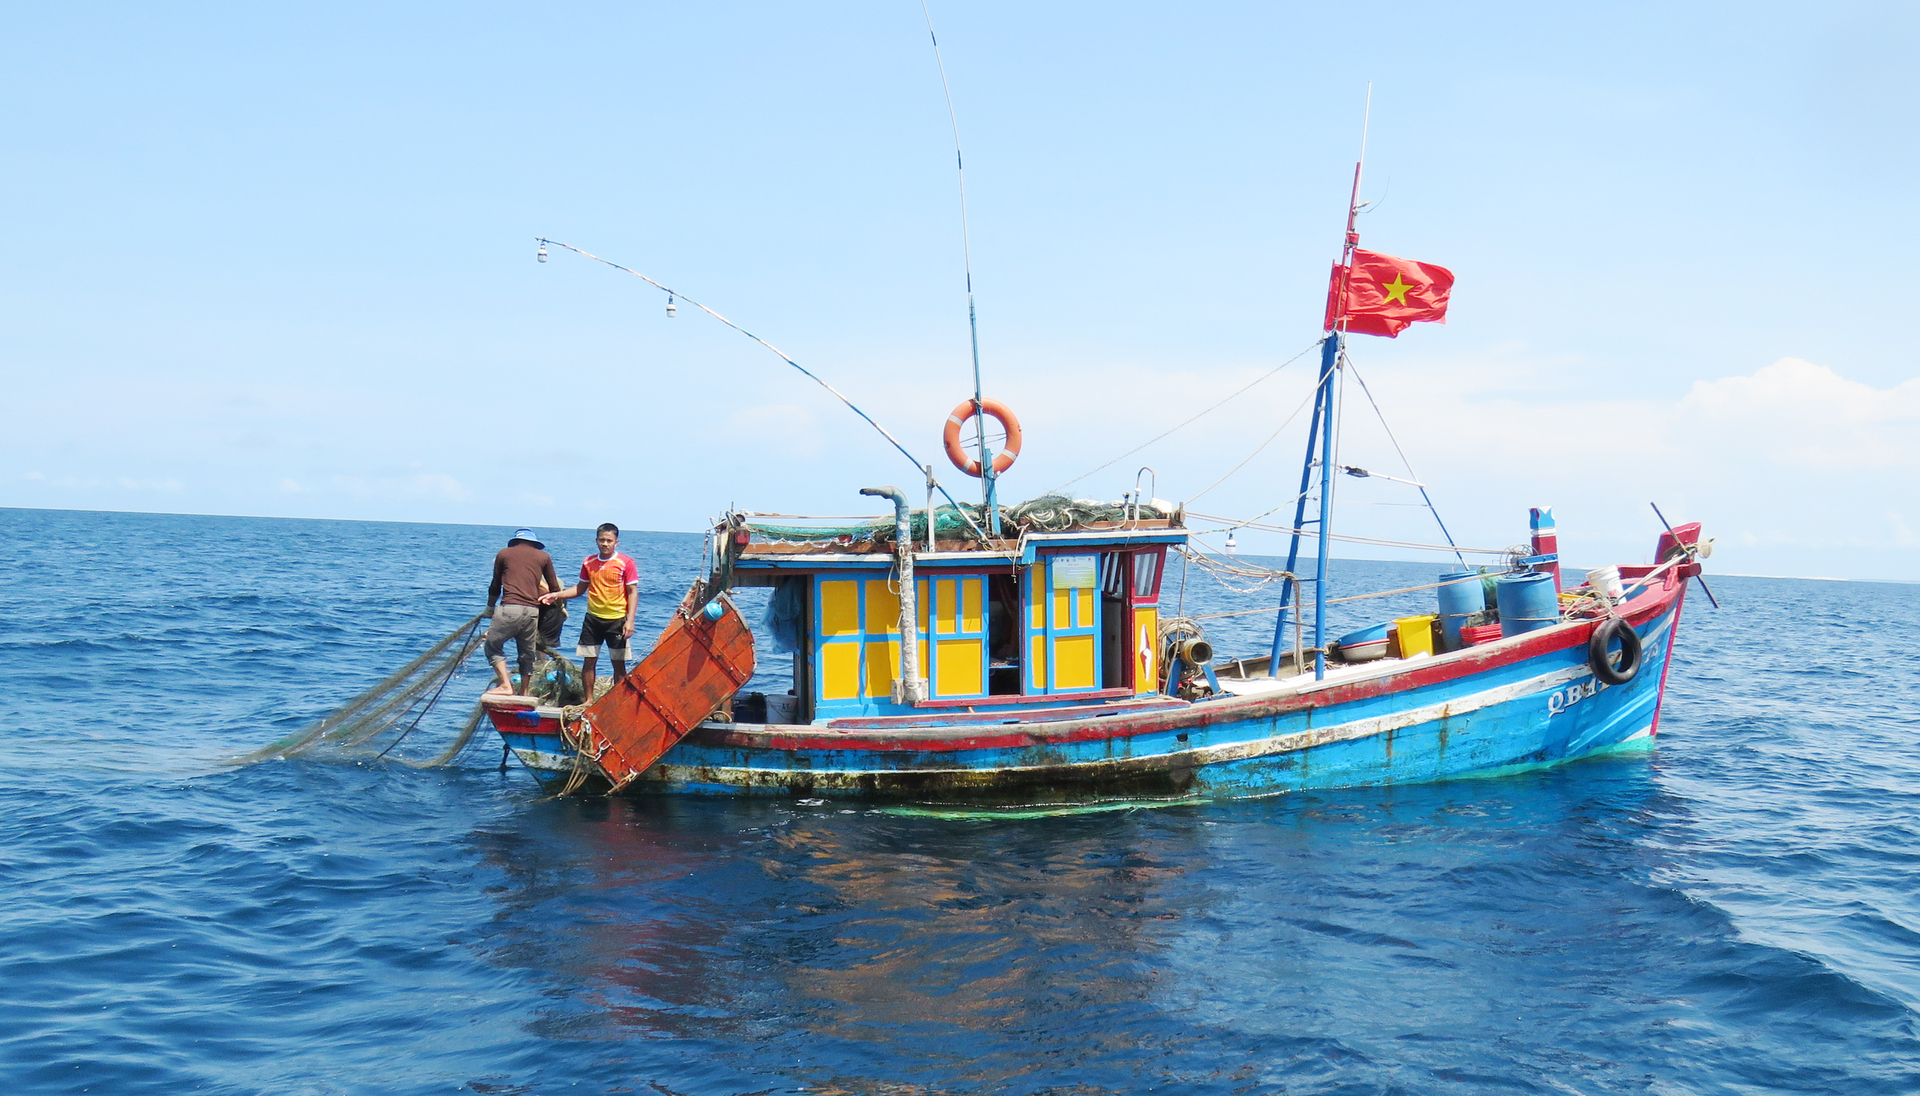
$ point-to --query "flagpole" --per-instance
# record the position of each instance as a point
(1330, 364)
(1320, 435)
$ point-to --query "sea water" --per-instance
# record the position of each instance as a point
(1735, 912)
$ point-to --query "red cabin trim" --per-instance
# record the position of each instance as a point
(971, 702)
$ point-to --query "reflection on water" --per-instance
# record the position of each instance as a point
(1298, 939)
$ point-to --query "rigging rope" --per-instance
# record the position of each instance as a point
(1381, 415)
(1257, 451)
(1182, 425)
(1348, 537)
(1339, 600)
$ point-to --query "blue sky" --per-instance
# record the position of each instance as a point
(278, 259)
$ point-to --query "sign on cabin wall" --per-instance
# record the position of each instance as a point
(1076, 572)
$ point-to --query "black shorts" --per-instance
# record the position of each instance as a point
(552, 619)
(595, 630)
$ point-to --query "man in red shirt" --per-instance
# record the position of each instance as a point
(612, 584)
(518, 571)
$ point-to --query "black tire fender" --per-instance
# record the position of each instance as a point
(1601, 658)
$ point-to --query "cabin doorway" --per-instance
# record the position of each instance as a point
(1114, 662)
(1003, 635)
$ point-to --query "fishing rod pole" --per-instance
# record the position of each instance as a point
(672, 294)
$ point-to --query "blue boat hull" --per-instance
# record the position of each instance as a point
(1527, 702)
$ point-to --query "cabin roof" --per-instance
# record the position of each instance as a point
(789, 542)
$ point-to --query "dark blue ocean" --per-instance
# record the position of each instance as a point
(1735, 913)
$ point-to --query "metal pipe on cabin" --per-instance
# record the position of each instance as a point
(1145, 469)
(912, 685)
(992, 480)
(928, 469)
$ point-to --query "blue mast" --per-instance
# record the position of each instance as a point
(1320, 435)
(1329, 351)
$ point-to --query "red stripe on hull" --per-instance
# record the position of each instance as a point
(1015, 736)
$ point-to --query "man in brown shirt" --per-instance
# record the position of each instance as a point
(518, 571)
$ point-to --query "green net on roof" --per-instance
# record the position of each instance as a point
(1051, 513)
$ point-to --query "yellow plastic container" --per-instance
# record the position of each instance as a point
(1416, 635)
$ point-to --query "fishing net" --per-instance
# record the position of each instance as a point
(382, 717)
(1050, 513)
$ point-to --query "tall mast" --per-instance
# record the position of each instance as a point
(1320, 432)
(989, 490)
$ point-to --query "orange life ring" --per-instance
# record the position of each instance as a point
(1002, 460)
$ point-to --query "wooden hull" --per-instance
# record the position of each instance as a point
(1525, 702)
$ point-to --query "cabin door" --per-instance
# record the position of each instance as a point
(1063, 624)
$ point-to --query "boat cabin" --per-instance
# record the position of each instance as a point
(1052, 619)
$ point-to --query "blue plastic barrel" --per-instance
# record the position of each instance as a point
(1528, 603)
(1459, 599)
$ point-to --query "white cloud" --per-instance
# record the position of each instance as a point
(1789, 461)
(1796, 412)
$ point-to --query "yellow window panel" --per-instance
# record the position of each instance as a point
(1085, 615)
(948, 617)
(1146, 650)
(839, 671)
(1037, 589)
(961, 667)
(920, 607)
(839, 608)
(883, 665)
(1037, 657)
(1073, 662)
(883, 609)
(1062, 607)
(970, 605)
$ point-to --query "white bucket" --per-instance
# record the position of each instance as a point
(1606, 581)
(782, 708)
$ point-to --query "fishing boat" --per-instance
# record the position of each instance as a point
(1025, 654)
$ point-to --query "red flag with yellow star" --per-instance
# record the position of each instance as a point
(1385, 294)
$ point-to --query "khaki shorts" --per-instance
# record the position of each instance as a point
(520, 623)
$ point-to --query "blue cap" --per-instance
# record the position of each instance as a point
(526, 535)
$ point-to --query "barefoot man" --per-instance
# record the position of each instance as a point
(518, 571)
(612, 584)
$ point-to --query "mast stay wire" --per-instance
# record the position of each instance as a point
(1381, 415)
(1288, 421)
(1231, 396)
(918, 465)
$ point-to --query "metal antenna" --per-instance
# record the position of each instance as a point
(966, 254)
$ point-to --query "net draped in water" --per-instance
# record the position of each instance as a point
(379, 719)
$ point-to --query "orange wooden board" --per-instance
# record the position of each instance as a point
(694, 668)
